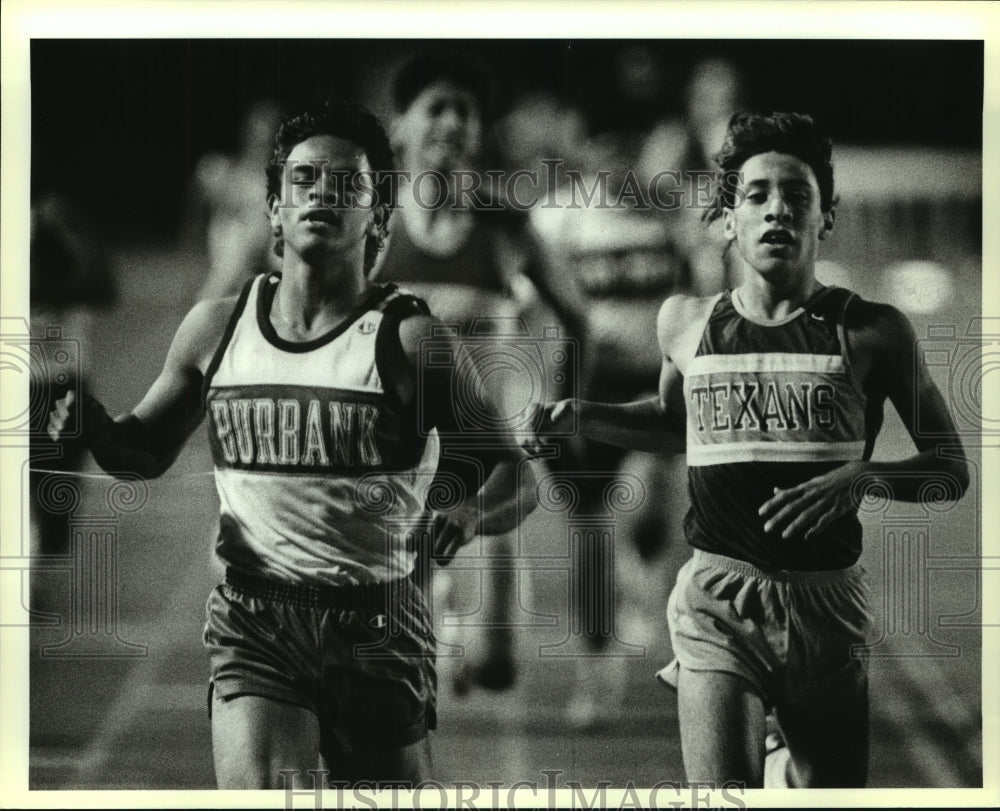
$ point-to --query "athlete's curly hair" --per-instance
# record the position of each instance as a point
(355, 123)
(750, 134)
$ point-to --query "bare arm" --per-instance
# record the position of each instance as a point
(885, 347)
(911, 391)
(147, 441)
(655, 424)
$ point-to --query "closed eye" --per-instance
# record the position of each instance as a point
(305, 175)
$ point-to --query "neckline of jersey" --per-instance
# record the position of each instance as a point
(734, 297)
(265, 296)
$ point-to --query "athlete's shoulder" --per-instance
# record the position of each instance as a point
(876, 321)
(681, 304)
(880, 339)
(202, 329)
(418, 328)
(210, 317)
(208, 311)
(682, 310)
(679, 326)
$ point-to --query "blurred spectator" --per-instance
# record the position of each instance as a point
(540, 127)
(617, 263)
(688, 144)
(230, 200)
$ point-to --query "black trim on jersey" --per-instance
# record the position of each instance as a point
(831, 305)
(391, 362)
(874, 405)
(845, 345)
(227, 336)
(828, 305)
(828, 302)
(266, 296)
(390, 358)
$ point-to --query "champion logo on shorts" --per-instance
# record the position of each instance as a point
(366, 327)
(378, 621)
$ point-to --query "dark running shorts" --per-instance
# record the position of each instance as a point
(360, 657)
(787, 633)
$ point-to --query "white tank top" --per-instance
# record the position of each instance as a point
(320, 469)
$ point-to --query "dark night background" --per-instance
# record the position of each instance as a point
(117, 125)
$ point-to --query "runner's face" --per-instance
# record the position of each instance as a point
(778, 222)
(441, 129)
(324, 206)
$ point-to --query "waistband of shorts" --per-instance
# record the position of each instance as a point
(792, 576)
(364, 596)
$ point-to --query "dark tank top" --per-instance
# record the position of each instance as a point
(475, 263)
(771, 406)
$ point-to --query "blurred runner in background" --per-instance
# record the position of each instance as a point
(234, 222)
(616, 265)
(472, 258)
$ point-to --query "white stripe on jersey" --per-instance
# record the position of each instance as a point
(765, 362)
(729, 452)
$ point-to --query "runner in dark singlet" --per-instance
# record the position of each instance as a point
(474, 262)
(777, 389)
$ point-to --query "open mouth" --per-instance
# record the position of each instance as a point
(777, 237)
(323, 215)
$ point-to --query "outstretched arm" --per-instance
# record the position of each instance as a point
(147, 441)
(654, 424)
(886, 348)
